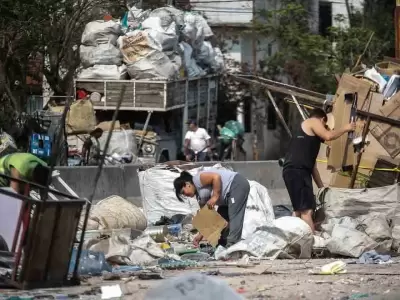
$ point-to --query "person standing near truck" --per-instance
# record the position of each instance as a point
(197, 140)
(25, 166)
(299, 164)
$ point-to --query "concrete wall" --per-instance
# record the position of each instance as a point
(123, 181)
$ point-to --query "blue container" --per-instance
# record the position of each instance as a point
(175, 229)
(40, 145)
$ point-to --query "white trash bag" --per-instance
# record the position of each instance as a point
(193, 70)
(259, 209)
(103, 72)
(193, 286)
(103, 54)
(349, 242)
(165, 38)
(378, 229)
(155, 64)
(101, 32)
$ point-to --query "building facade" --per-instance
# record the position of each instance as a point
(231, 22)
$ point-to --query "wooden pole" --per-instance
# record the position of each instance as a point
(397, 28)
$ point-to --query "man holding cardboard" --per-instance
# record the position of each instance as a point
(299, 166)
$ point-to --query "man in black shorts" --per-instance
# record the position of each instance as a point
(299, 165)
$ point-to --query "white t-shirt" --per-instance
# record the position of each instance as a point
(198, 139)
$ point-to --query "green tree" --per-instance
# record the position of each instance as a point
(310, 60)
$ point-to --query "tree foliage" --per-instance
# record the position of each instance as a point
(311, 60)
(50, 28)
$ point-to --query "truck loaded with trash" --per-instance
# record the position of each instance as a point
(164, 60)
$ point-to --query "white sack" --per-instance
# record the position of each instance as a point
(193, 70)
(377, 228)
(103, 72)
(259, 209)
(155, 64)
(103, 54)
(115, 212)
(193, 286)
(159, 198)
(168, 15)
(144, 250)
(101, 32)
(165, 37)
(347, 222)
(357, 202)
(122, 142)
(290, 237)
(349, 242)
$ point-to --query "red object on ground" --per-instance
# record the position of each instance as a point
(241, 290)
(81, 94)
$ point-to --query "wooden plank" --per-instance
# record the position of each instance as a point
(39, 252)
(63, 241)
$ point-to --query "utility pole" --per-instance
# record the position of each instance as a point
(254, 53)
(397, 28)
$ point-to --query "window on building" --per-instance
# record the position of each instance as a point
(325, 17)
(269, 49)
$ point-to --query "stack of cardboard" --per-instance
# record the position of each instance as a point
(382, 139)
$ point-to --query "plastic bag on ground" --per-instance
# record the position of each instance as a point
(101, 32)
(103, 54)
(347, 222)
(144, 250)
(286, 237)
(349, 242)
(116, 248)
(298, 234)
(155, 64)
(115, 212)
(357, 202)
(105, 72)
(193, 286)
(378, 229)
(90, 263)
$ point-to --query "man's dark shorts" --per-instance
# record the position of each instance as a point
(299, 185)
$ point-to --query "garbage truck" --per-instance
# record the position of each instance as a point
(162, 107)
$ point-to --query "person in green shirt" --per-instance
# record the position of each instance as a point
(25, 166)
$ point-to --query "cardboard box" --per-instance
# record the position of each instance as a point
(342, 153)
(389, 136)
(210, 224)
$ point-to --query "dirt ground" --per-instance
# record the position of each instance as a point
(280, 279)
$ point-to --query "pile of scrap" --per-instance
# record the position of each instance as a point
(371, 98)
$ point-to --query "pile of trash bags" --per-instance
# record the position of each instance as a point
(164, 43)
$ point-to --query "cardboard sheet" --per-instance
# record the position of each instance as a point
(342, 150)
(210, 224)
(389, 136)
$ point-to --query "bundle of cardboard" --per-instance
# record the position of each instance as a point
(377, 94)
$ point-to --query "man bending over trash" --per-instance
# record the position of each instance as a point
(227, 189)
(25, 166)
(299, 164)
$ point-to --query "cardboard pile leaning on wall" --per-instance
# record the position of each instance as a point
(382, 138)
